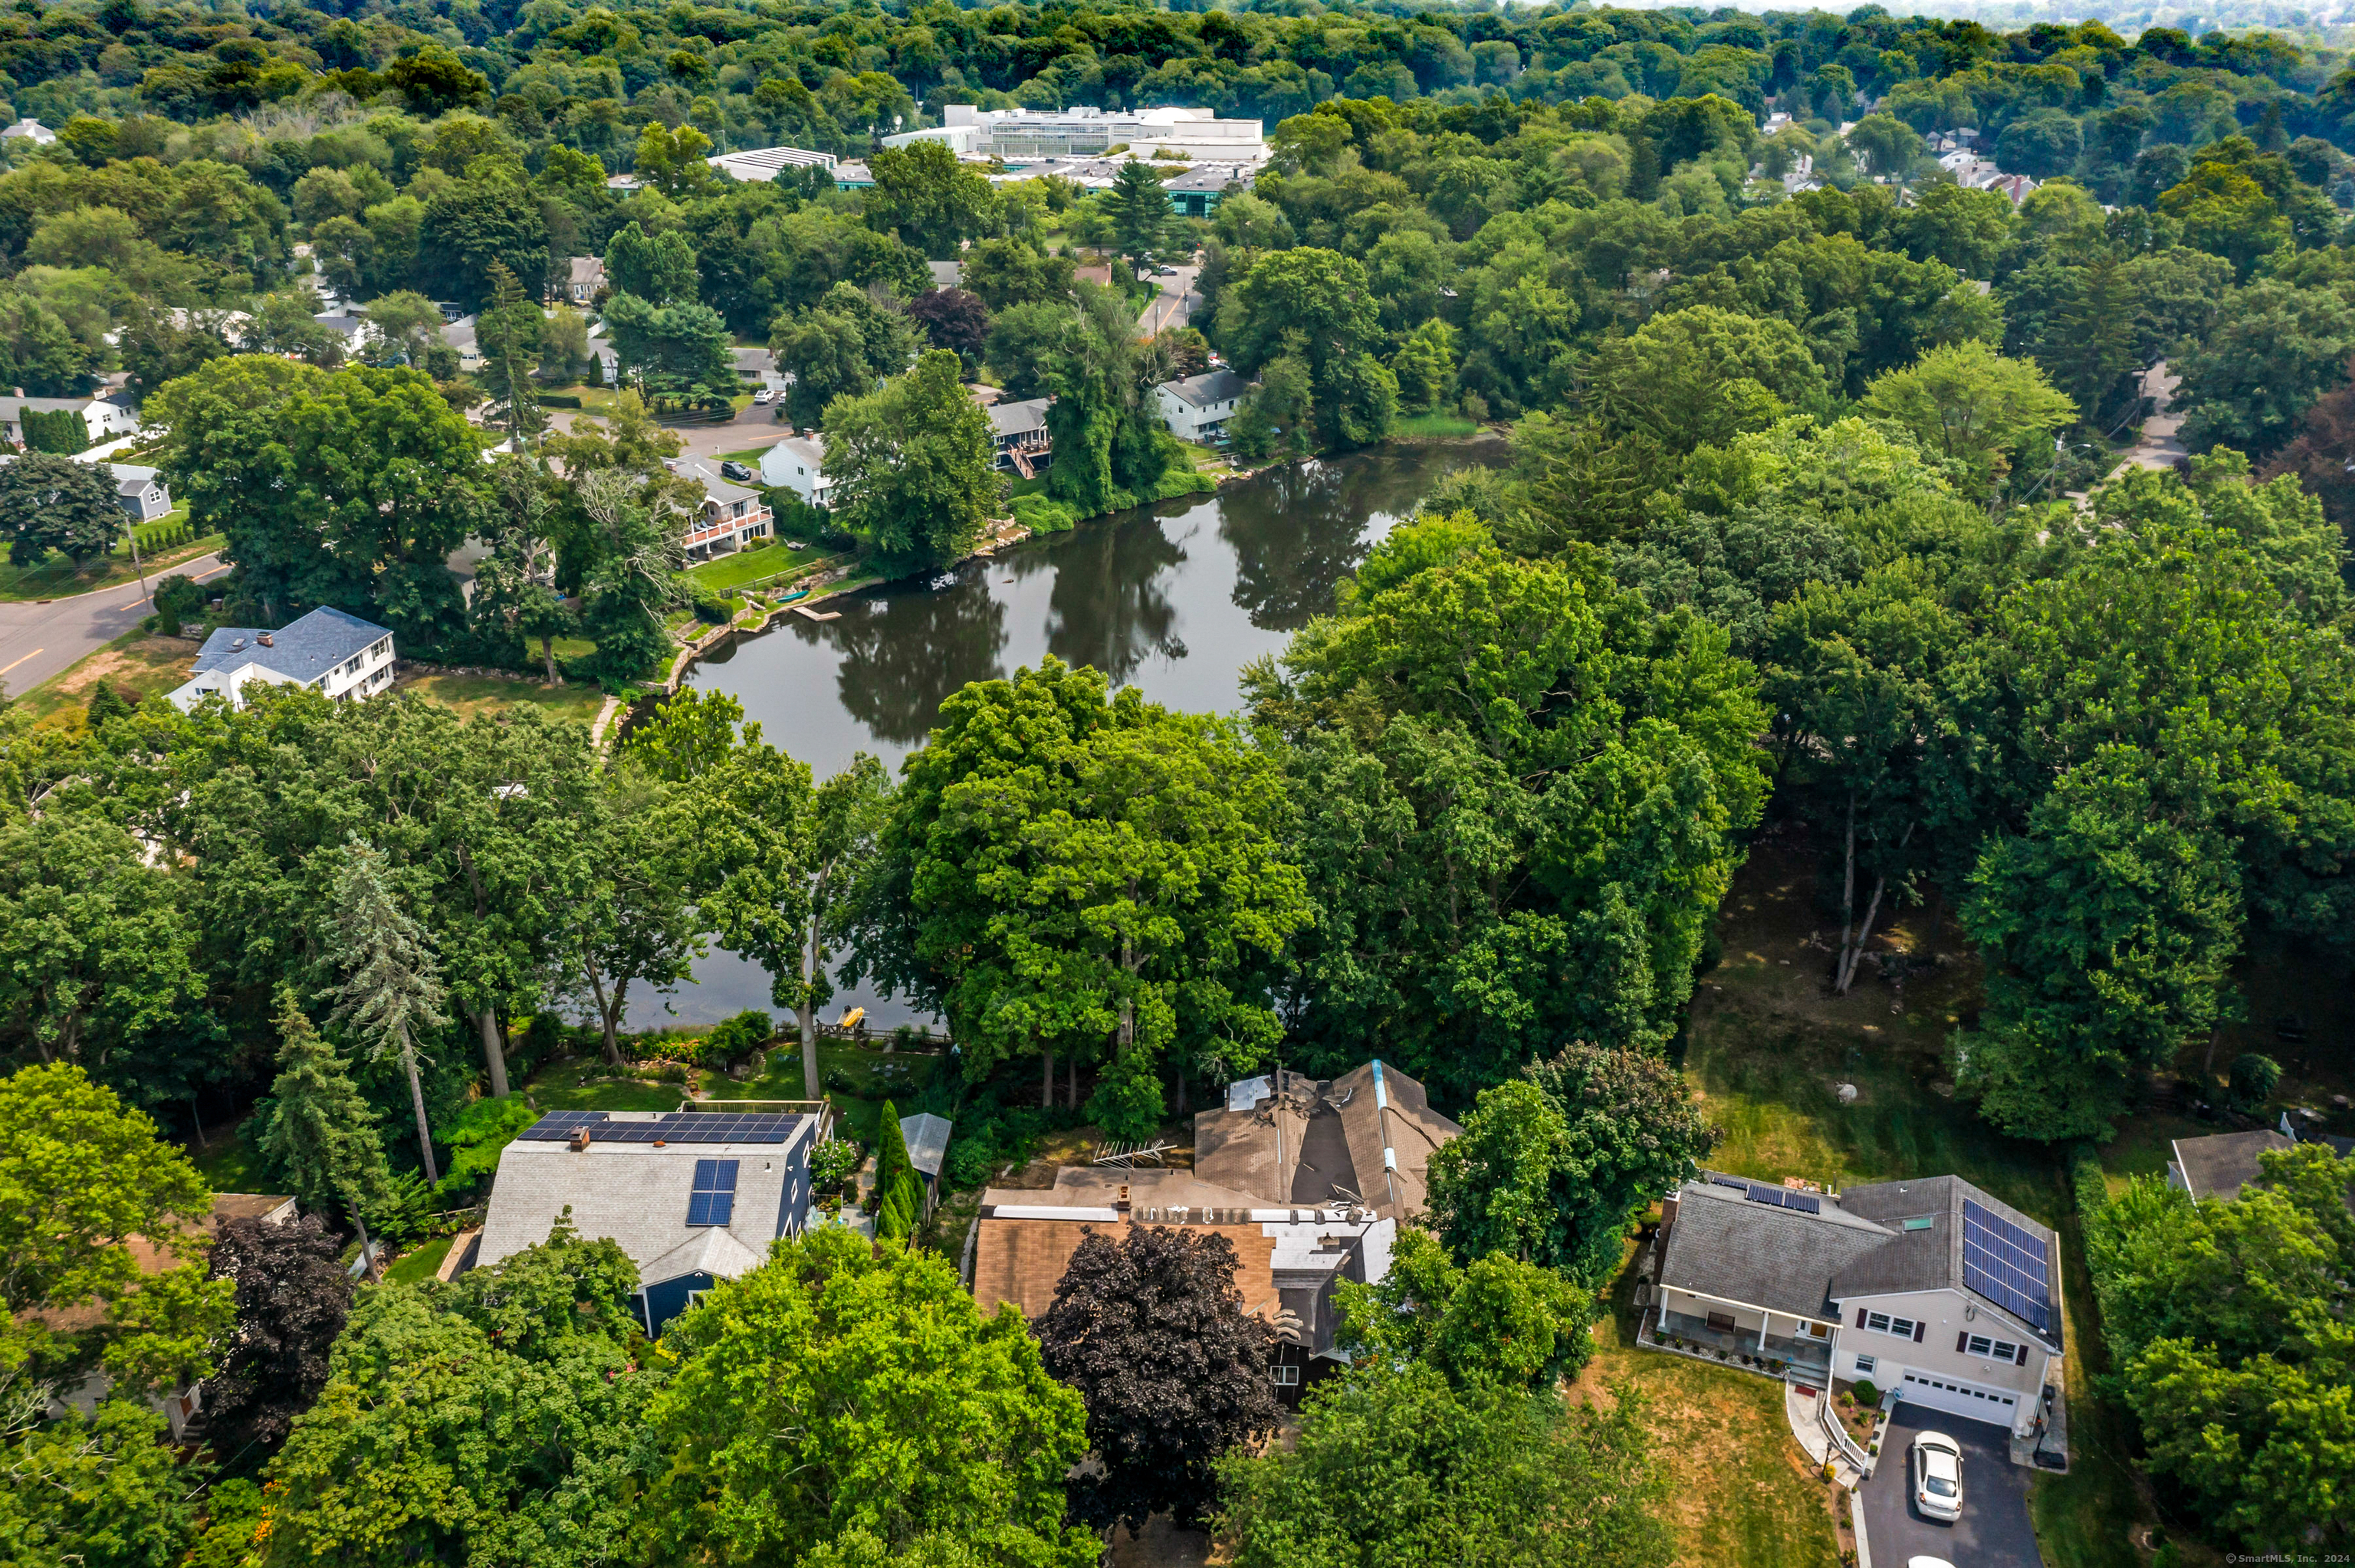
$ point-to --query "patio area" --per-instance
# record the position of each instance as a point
(1802, 1359)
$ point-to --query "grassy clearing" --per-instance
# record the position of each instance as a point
(418, 1266)
(132, 663)
(1434, 427)
(733, 571)
(1767, 1047)
(471, 695)
(1741, 1493)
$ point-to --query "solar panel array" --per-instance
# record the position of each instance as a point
(678, 1126)
(1784, 1198)
(1736, 1182)
(713, 1201)
(2005, 1265)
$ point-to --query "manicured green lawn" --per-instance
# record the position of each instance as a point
(418, 1266)
(773, 559)
(1429, 426)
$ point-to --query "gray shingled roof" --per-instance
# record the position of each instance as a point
(1019, 419)
(636, 1196)
(2220, 1164)
(130, 479)
(303, 652)
(1722, 1244)
(1219, 386)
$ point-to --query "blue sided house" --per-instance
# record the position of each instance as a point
(695, 1196)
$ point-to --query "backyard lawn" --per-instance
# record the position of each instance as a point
(471, 695)
(745, 566)
(1740, 1492)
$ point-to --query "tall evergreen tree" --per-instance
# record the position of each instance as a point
(1140, 214)
(392, 986)
(322, 1134)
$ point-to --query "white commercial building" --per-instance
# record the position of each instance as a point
(1024, 136)
(765, 164)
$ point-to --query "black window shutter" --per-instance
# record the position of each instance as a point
(1859, 1316)
(1917, 1331)
(1961, 1343)
(2020, 1356)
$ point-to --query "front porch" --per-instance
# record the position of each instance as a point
(1800, 1359)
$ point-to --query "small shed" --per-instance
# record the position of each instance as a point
(927, 1137)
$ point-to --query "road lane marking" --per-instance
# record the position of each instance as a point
(214, 573)
(34, 654)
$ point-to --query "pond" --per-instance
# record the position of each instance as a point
(1174, 599)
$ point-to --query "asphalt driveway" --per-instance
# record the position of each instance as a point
(1994, 1532)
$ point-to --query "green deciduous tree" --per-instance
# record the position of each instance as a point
(913, 466)
(1447, 762)
(659, 268)
(49, 502)
(1498, 1320)
(1971, 404)
(1315, 303)
(1396, 1466)
(841, 347)
(101, 1490)
(348, 489)
(496, 1420)
(848, 1388)
(929, 199)
(2275, 349)
(1064, 873)
(81, 1175)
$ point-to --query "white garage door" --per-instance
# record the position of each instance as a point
(1937, 1392)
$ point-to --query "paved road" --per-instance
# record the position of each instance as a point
(2160, 446)
(1994, 1532)
(41, 640)
(1174, 306)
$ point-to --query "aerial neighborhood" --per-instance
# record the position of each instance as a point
(1280, 783)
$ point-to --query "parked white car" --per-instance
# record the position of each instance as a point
(1938, 1477)
(765, 395)
(1927, 1562)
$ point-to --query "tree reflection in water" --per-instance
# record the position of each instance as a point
(904, 653)
(1110, 604)
(1297, 531)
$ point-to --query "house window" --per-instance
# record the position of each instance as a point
(1722, 1321)
(1283, 1376)
(714, 1200)
(1883, 1323)
(1864, 1365)
(2000, 1349)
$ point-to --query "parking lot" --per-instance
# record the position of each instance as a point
(1994, 1532)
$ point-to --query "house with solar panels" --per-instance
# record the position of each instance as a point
(695, 1196)
(1931, 1289)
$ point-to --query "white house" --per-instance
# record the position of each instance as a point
(31, 130)
(460, 335)
(103, 417)
(694, 1196)
(798, 463)
(732, 517)
(1930, 1289)
(327, 650)
(1197, 408)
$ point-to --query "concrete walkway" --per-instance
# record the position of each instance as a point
(1803, 1410)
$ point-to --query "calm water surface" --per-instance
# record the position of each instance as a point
(1173, 599)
